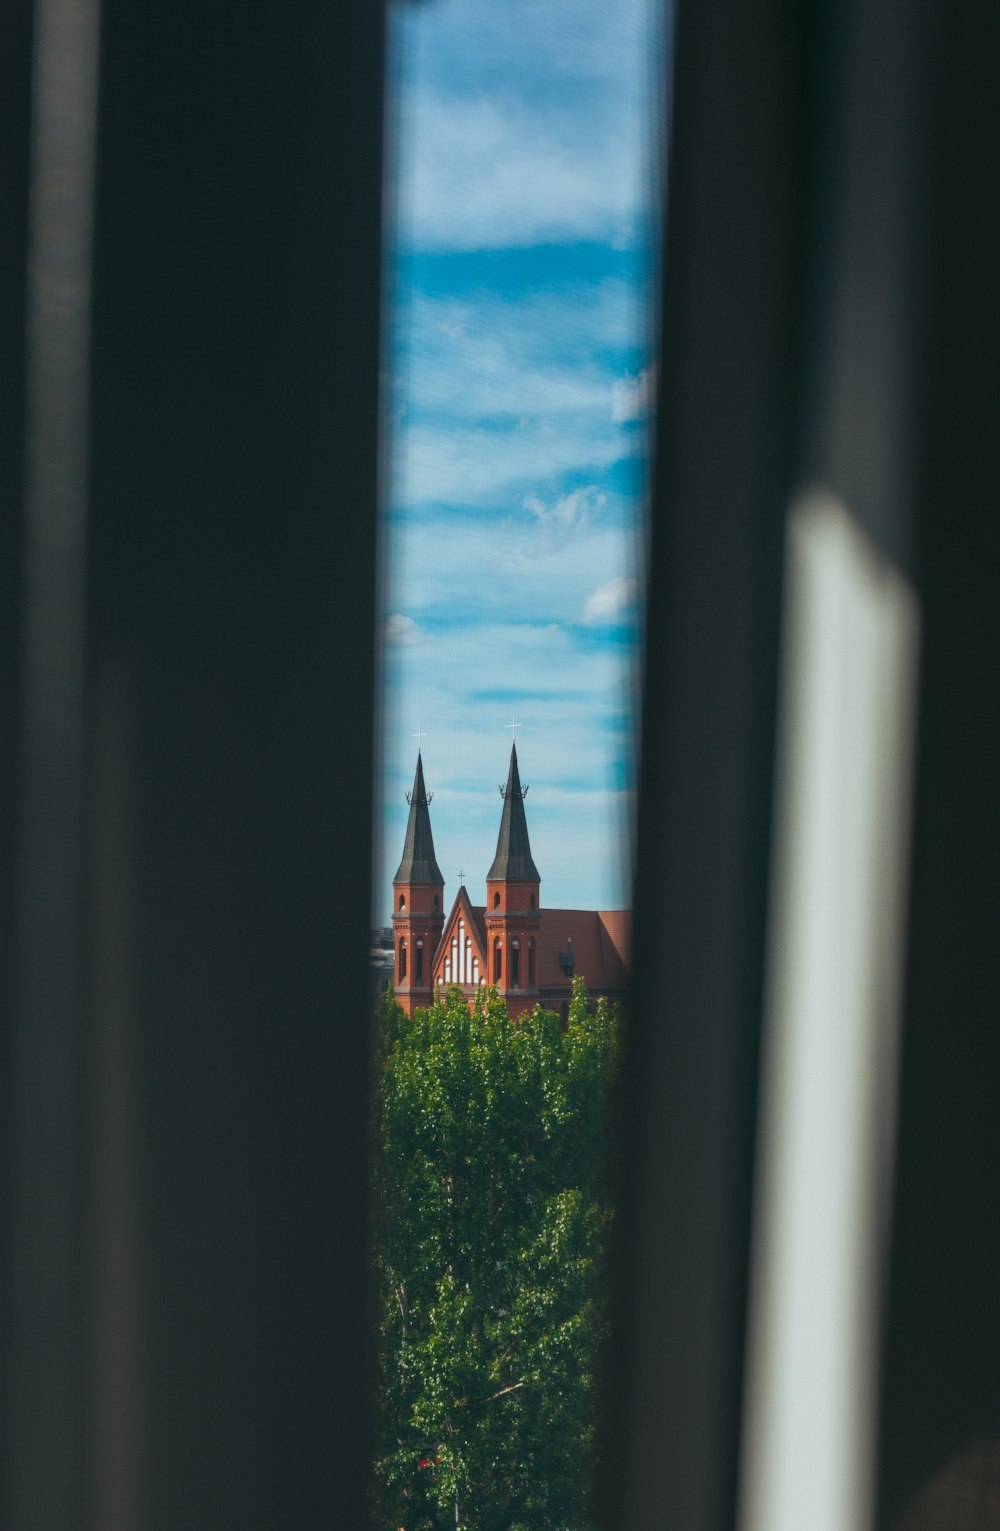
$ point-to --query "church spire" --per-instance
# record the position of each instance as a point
(512, 862)
(417, 892)
(419, 864)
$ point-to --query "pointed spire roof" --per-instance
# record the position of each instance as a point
(512, 862)
(419, 863)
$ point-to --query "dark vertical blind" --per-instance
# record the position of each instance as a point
(725, 429)
(217, 1270)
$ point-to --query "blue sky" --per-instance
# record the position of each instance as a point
(517, 377)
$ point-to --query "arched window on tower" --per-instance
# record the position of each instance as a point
(418, 971)
(531, 963)
(402, 959)
(497, 961)
(496, 901)
(515, 964)
(402, 901)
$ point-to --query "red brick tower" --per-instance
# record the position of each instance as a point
(512, 903)
(417, 903)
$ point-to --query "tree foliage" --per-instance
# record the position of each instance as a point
(491, 1183)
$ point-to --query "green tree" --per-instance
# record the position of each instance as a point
(492, 1187)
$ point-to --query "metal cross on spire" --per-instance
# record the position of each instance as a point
(461, 879)
(519, 791)
(421, 733)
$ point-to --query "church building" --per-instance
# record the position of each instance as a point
(530, 953)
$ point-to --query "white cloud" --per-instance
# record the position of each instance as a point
(400, 629)
(525, 122)
(445, 569)
(632, 398)
(558, 323)
(459, 466)
(542, 43)
(481, 174)
(610, 602)
(570, 510)
(506, 393)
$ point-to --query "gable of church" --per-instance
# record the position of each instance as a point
(461, 955)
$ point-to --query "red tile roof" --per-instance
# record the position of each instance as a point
(600, 947)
